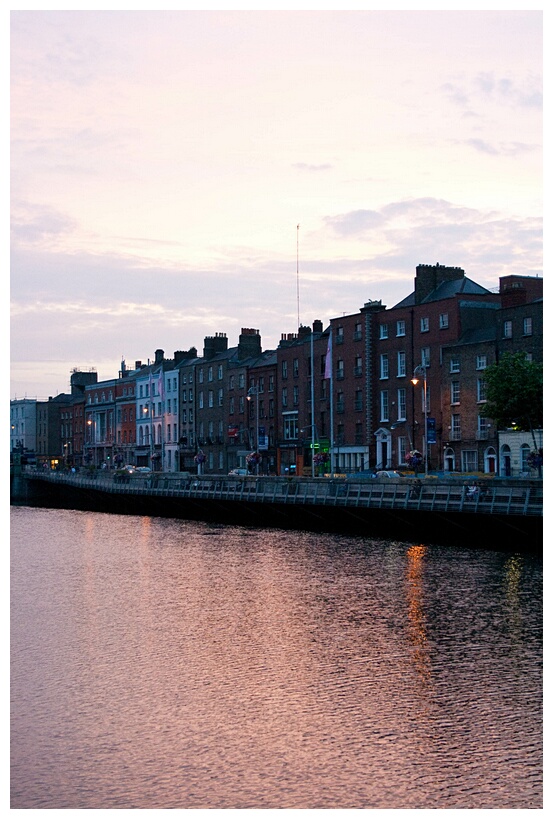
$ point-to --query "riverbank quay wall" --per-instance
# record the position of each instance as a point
(505, 514)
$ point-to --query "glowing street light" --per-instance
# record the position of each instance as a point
(421, 370)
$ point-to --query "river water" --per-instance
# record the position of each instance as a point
(162, 663)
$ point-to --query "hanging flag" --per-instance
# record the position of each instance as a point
(328, 359)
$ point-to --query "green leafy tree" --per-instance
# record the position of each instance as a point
(514, 393)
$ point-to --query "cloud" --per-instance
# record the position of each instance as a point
(355, 222)
(32, 224)
(305, 166)
(527, 93)
(485, 88)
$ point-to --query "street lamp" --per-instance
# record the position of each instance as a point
(421, 370)
(251, 392)
(91, 449)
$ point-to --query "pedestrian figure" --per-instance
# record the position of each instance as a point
(416, 489)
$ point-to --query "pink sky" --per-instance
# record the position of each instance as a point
(160, 162)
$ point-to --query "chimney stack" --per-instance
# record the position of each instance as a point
(249, 343)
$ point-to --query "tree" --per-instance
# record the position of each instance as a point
(514, 393)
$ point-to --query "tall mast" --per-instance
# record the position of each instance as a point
(298, 271)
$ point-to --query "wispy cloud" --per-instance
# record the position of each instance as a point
(305, 166)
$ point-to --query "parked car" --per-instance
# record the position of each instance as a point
(389, 473)
(143, 469)
(238, 471)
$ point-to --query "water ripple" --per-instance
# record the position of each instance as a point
(168, 664)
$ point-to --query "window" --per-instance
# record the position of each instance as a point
(284, 396)
(296, 367)
(260, 384)
(285, 369)
(384, 405)
(454, 366)
(480, 390)
(241, 381)
(340, 335)
(296, 395)
(358, 400)
(231, 406)
(231, 382)
(444, 321)
(400, 328)
(483, 428)
(425, 356)
(455, 392)
(340, 370)
(210, 373)
(455, 427)
(401, 449)
(358, 332)
(401, 405)
(358, 367)
(220, 372)
(271, 407)
(210, 398)
(383, 331)
(401, 364)
(201, 376)
(220, 398)
(481, 362)
(340, 402)
(469, 460)
(384, 366)
(527, 326)
(290, 427)
(201, 399)
(271, 383)
(425, 325)
(507, 329)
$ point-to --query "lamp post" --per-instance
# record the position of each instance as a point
(251, 392)
(421, 370)
(91, 450)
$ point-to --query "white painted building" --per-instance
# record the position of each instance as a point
(514, 448)
(23, 431)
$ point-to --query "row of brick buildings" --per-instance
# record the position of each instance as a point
(343, 391)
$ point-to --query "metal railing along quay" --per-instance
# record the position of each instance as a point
(488, 497)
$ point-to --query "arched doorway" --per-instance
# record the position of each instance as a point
(490, 460)
(449, 460)
(524, 453)
(383, 448)
(505, 461)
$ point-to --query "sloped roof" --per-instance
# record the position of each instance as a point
(446, 290)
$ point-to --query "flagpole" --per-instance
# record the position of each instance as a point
(298, 271)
